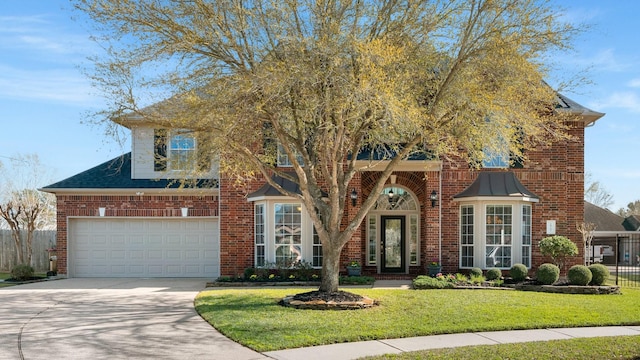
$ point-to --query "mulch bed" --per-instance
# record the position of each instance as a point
(322, 300)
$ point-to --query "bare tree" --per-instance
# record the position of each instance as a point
(321, 80)
(633, 208)
(22, 206)
(586, 229)
(596, 193)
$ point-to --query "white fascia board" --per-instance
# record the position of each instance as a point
(497, 198)
(129, 192)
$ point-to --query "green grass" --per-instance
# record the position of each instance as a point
(623, 347)
(253, 318)
(4, 275)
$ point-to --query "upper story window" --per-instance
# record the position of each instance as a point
(283, 158)
(182, 151)
(497, 156)
(177, 150)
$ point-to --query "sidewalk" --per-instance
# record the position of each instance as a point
(349, 351)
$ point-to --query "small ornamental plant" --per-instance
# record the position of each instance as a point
(600, 274)
(354, 263)
(558, 248)
(494, 274)
(476, 271)
(579, 275)
(518, 272)
(548, 274)
(22, 272)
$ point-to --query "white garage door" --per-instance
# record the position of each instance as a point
(160, 247)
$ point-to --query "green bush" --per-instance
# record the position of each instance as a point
(477, 279)
(475, 272)
(494, 274)
(548, 274)
(518, 272)
(22, 272)
(558, 248)
(579, 275)
(427, 282)
(600, 274)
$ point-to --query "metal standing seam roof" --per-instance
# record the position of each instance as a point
(496, 184)
(116, 174)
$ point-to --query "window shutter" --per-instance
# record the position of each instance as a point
(160, 150)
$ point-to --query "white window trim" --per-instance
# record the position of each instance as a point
(192, 166)
(377, 214)
(480, 226)
(306, 238)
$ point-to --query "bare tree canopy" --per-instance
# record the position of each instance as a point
(325, 79)
(633, 208)
(596, 193)
(22, 206)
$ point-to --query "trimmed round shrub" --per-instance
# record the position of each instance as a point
(427, 282)
(548, 274)
(579, 275)
(600, 274)
(22, 272)
(475, 272)
(518, 272)
(494, 274)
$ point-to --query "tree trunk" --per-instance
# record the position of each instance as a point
(330, 268)
(15, 234)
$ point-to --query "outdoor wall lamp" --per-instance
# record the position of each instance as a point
(354, 197)
(434, 198)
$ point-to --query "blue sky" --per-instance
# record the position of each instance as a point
(44, 97)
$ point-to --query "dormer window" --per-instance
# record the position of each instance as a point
(182, 151)
(174, 150)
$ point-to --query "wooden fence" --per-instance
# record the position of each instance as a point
(42, 240)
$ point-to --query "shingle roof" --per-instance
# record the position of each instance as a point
(269, 191)
(496, 184)
(603, 219)
(116, 174)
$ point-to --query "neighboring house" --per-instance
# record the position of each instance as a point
(130, 217)
(613, 234)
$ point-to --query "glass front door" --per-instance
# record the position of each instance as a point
(393, 244)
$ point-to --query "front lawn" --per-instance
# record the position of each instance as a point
(622, 347)
(253, 318)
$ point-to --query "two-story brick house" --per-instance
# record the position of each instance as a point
(129, 217)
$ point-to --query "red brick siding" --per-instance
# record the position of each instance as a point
(126, 206)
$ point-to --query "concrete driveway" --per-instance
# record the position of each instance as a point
(110, 319)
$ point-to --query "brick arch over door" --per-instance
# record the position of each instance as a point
(412, 181)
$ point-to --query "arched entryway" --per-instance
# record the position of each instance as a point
(393, 228)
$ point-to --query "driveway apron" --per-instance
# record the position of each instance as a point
(110, 319)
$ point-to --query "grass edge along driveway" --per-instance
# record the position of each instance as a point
(253, 318)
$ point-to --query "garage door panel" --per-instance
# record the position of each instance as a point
(167, 247)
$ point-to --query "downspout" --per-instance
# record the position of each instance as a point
(440, 215)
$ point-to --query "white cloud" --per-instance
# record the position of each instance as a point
(57, 85)
(634, 83)
(619, 100)
(38, 35)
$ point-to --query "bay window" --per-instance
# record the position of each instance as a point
(284, 234)
(495, 234)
